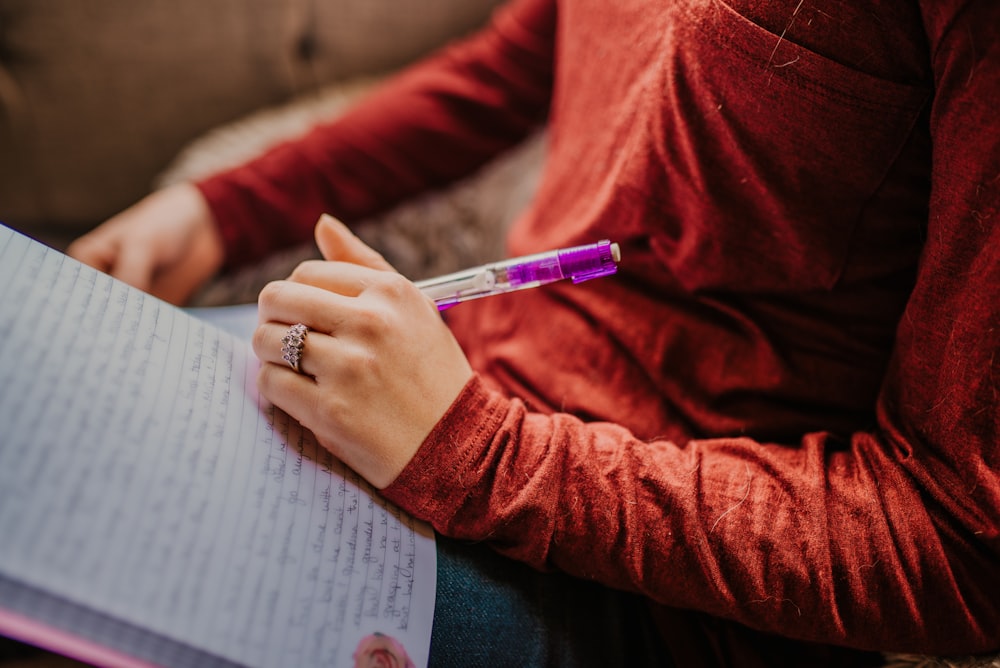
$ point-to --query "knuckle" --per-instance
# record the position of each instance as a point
(305, 271)
(393, 285)
(328, 415)
(372, 322)
(356, 365)
(326, 407)
(270, 295)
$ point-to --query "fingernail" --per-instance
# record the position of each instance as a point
(327, 218)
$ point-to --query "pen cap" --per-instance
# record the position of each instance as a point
(585, 262)
(579, 263)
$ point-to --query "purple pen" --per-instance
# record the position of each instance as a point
(579, 263)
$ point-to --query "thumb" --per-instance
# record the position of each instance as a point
(134, 265)
(336, 242)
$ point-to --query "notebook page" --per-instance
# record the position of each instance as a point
(240, 320)
(142, 478)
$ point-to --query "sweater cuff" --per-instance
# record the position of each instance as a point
(243, 245)
(263, 206)
(435, 483)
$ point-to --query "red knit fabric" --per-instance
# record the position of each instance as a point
(783, 410)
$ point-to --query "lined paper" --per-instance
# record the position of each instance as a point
(144, 483)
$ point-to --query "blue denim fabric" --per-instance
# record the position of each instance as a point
(492, 611)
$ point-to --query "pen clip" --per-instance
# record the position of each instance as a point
(596, 273)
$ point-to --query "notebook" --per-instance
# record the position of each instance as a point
(154, 510)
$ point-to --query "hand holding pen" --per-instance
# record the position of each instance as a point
(355, 353)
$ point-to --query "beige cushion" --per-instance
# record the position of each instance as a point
(97, 96)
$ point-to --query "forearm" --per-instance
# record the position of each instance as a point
(825, 541)
(435, 122)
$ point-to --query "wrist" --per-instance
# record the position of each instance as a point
(431, 484)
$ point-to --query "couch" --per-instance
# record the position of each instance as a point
(98, 97)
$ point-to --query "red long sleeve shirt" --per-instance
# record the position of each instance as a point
(783, 410)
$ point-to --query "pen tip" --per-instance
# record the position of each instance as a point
(616, 253)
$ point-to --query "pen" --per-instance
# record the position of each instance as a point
(579, 263)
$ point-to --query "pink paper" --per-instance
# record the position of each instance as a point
(67, 644)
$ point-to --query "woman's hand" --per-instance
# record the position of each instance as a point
(167, 244)
(379, 367)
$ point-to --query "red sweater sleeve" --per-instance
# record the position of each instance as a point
(431, 124)
(888, 539)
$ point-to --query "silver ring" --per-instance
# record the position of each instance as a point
(292, 343)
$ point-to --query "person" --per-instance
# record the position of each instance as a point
(772, 438)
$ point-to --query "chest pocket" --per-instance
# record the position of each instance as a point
(769, 152)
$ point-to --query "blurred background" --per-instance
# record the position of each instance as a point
(98, 97)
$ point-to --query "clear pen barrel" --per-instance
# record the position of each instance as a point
(579, 263)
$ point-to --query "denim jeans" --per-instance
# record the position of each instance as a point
(492, 611)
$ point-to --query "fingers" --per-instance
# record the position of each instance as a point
(166, 244)
(337, 242)
(131, 263)
(92, 251)
(293, 392)
(351, 269)
(342, 278)
(134, 265)
(318, 288)
(290, 302)
(269, 347)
